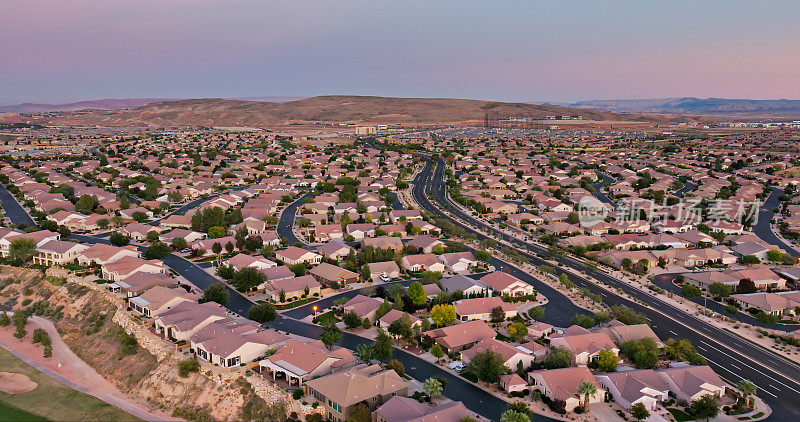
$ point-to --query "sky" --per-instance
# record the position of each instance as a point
(527, 50)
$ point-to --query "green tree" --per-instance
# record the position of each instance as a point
(483, 256)
(720, 289)
(691, 291)
(330, 335)
(607, 361)
(364, 352)
(488, 366)
(559, 357)
(119, 239)
(86, 204)
(583, 320)
(226, 272)
(216, 292)
(21, 250)
(417, 294)
(586, 389)
(747, 388)
(351, 319)
(750, 260)
(705, 407)
(157, 250)
(397, 366)
(774, 255)
(360, 413)
(383, 347)
(247, 279)
(536, 313)
(639, 411)
(5, 321)
(511, 415)
(517, 330)
(139, 216)
(498, 314)
(432, 387)
(124, 202)
(262, 312)
(151, 235)
(179, 243)
(366, 274)
(216, 232)
(436, 351)
(103, 223)
(443, 314)
(299, 269)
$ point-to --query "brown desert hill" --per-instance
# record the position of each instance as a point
(335, 108)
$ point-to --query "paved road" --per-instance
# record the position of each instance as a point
(288, 216)
(13, 210)
(732, 357)
(762, 228)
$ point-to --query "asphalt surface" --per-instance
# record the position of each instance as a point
(13, 210)
(288, 215)
(731, 357)
(762, 227)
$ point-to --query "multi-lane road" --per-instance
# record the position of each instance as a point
(731, 356)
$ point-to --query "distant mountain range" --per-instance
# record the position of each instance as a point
(116, 104)
(333, 108)
(694, 105)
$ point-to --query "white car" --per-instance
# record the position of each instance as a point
(384, 277)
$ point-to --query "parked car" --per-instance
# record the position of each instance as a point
(384, 277)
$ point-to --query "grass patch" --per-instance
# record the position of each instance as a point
(326, 318)
(52, 400)
(680, 415)
(469, 376)
(295, 304)
(788, 321)
(11, 413)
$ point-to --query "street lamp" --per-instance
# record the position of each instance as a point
(315, 310)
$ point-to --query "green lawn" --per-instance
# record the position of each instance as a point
(296, 303)
(680, 415)
(327, 318)
(51, 400)
(11, 413)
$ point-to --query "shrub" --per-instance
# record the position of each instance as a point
(298, 394)
(188, 366)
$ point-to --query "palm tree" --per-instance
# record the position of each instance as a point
(747, 388)
(586, 389)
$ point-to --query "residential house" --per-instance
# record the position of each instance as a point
(332, 275)
(292, 288)
(585, 347)
(422, 262)
(458, 262)
(389, 268)
(57, 252)
(159, 299)
(393, 315)
(363, 306)
(630, 387)
(692, 382)
(562, 385)
(506, 284)
(229, 344)
(340, 392)
(241, 260)
(406, 409)
(512, 356)
(101, 254)
(186, 318)
(426, 243)
(298, 361)
(456, 338)
(293, 255)
(468, 286)
(481, 308)
(128, 265)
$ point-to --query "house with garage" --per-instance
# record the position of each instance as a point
(333, 275)
(241, 260)
(481, 308)
(159, 299)
(293, 255)
(506, 284)
(293, 288)
(232, 343)
(299, 361)
(422, 262)
(562, 385)
(585, 347)
(458, 262)
(468, 286)
(627, 388)
(692, 382)
(455, 338)
(187, 318)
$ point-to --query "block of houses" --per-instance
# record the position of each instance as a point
(406, 409)
(299, 361)
(159, 299)
(383, 242)
(363, 306)
(186, 318)
(621, 333)
(390, 268)
(506, 284)
(426, 243)
(562, 384)
(455, 338)
(481, 308)
(139, 282)
(468, 286)
(692, 382)
(512, 383)
(127, 266)
(340, 392)
(293, 255)
(293, 288)
(585, 347)
(644, 386)
(511, 355)
(241, 260)
(229, 344)
(330, 275)
(57, 252)
(781, 303)
(393, 315)
(421, 262)
(458, 262)
(360, 231)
